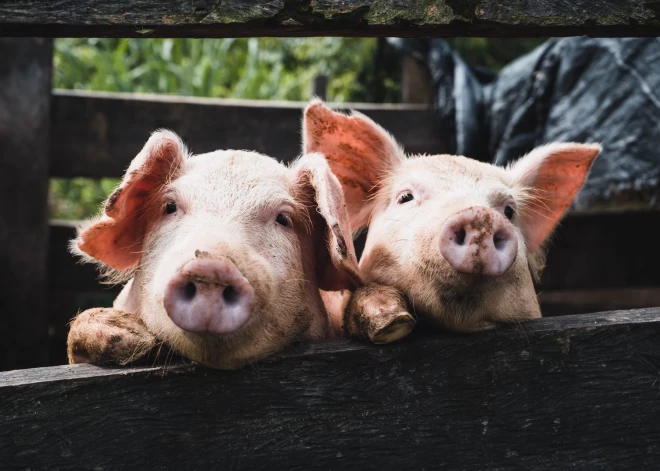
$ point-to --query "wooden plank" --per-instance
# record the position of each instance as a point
(603, 251)
(97, 134)
(25, 85)
(416, 84)
(561, 303)
(239, 18)
(578, 392)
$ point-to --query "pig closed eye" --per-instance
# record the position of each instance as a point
(404, 198)
(170, 207)
(283, 220)
(508, 211)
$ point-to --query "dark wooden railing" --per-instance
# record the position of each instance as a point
(240, 18)
(562, 392)
(571, 392)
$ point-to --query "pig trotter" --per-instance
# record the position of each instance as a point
(107, 336)
(378, 313)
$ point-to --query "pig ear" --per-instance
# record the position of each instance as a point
(359, 151)
(318, 188)
(115, 238)
(552, 175)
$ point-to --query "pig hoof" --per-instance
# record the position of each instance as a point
(396, 328)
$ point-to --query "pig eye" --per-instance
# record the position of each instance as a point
(283, 220)
(170, 207)
(404, 198)
(508, 211)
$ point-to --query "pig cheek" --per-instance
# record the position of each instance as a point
(390, 245)
(160, 265)
(514, 298)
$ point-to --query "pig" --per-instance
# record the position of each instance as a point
(224, 256)
(461, 241)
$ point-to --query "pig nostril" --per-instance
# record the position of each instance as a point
(189, 291)
(499, 240)
(460, 236)
(230, 295)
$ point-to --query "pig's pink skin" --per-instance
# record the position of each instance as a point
(479, 241)
(411, 205)
(277, 234)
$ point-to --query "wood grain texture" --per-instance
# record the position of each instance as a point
(25, 83)
(236, 18)
(98, 134)
(578, 392)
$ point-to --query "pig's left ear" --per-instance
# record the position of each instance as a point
(551, 176)
(115, 238)
(335, 260)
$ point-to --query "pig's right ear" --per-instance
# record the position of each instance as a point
(115, 237)
(360, 154)
(334, 258)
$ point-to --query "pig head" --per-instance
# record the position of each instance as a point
(462, 240)
(223, 254)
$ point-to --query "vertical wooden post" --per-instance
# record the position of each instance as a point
(415, 81)
(320, 87)
(25, 89)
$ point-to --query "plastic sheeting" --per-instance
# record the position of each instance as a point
(573, 89)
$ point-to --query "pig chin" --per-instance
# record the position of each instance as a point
(470, 303)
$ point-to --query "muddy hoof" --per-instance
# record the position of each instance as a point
(397, 327)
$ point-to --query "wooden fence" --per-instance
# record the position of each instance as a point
(570, 391)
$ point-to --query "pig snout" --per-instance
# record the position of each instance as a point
(479, 240)
(209, 295)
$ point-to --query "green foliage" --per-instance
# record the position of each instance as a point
(78, 198)
(254, 68)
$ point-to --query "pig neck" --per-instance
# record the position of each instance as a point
(335, 305)
(128, 299)
(320, 326)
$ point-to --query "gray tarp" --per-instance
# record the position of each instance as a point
(572, 89)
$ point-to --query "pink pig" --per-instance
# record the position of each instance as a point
(460, 240)
(223, 255)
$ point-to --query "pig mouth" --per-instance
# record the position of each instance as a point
(465, 281)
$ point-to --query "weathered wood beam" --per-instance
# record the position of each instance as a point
(563, 302)
(574, 392)
(239, 18)
(98, 134)
(416, 81)
(25, 83)
(604, 250)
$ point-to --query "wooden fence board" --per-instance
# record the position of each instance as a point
(25, 83)
(98, 134)
(578, 392)
(239, 18)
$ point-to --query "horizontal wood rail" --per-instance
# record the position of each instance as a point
(240, 18)
(578, 392)
(98, 134)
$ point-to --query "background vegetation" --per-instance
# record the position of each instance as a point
(252, 68)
